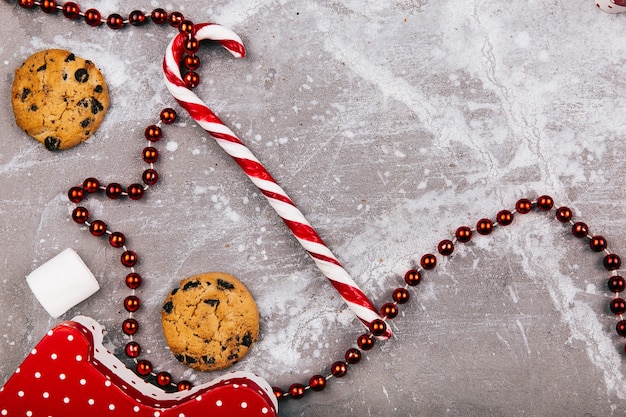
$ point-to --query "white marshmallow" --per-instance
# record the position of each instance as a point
(62, 282)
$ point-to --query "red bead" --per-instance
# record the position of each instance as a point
(192, 45)
(612, 262)
(115, 21)
(163, 379)
(401, 295)
(150, 155)
(133, 280)
(184, 386)
(296, 391)
(389, 310)
(339, 369)
(580, 230)
(445, 247)
(93, 17)
(150, 177)
(71, 10)
(504, 217)
(618, 306)
(137, 18)
(412, 277)
(98, 228)
(597, 243)
(484, 226)
(129, 258)
(80, 214)
(278, 392)
(545, 203)
(191, 62)
(175, 19)
(191, 79)
(616, 283)
(353, 356)
(153, 133)
(135, 191)
(48, 6)
(75, 194)
(428, 261)
(159, 16)
(378, 327)
(27, 4)
(523, 206)
(132, 349)
(564, 214)
(365, 342)
(317, 383)
(117, 239)
(132, 303)
(144, 368)
(114, 191)
(186, 26)
(621, 328)
(130, 326)
(168, 116)
(463, 234)
(91, 185)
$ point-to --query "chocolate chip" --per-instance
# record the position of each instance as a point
(41, 68)
(98, 89)
(233, 356)
(96, 106)
(84, 102)
(208, 360)
(212, 303)
(247, 340)
(85, 123)
(180, 358)
(25, 93)
(174, 291)
(51, 143)
(70, 57)
(64, 76)
(225, 284)
(189, 359)
(191, 284)
(81, 75)
(168, 307)
(34, 108)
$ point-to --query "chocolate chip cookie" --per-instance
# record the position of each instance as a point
(210, 322)
(59, 98)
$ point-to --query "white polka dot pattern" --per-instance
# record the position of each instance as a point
(612, 6)
(62, 374)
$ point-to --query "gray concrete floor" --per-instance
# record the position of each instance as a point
(389, 123)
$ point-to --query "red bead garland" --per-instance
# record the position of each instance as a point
(150, 177)
(93, 17)
(128, 258)
(412, 277)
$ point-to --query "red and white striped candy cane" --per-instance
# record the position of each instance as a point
(276, 196)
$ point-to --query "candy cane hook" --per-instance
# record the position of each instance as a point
(252, 167)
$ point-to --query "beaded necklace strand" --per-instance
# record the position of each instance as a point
(150, 177)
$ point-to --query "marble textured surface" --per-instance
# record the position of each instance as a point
(390, 123)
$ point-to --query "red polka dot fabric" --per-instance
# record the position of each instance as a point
(70, 373)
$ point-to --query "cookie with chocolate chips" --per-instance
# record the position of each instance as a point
(210, 322)
(59, 98)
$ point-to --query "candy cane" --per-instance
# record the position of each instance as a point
(276, 196)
